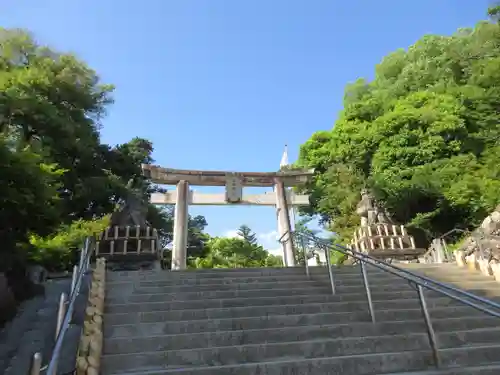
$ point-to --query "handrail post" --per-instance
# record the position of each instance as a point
(36, 364)
(81, 260)
(330, 272)
(73, 280)
(61, 312)
(306, 259)
(428, 324)
(87, 263)
(367, 289)
(282, 243)
(86, 256)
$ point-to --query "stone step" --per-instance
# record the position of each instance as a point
(440, 266)
(429, 269)
(139, 295)
(124, 283)
(442, 270)
(276, 321)
(308, 296)
(414, 267)
(462, 338)
(143, 294)
(208, 274)
(249, 311)
(478, 330)
(204, 271)
(267, 352)
(217, 303)
(340, 279)
(177, 276)
(344, 271)
(475, 283)
(224, 322)
(224, 294)
(112, 292)
(362, 364)
(469, 370)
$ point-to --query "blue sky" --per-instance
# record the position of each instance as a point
(224, 84)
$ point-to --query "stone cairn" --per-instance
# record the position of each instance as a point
(378, 236)
(90, 348)
(481, 250)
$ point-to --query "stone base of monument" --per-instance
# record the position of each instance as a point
(128, 247)
(386, 241)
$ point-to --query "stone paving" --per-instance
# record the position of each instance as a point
(32, 330)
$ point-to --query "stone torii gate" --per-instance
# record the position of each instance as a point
(234, 183)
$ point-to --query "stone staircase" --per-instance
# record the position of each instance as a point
(279, 322)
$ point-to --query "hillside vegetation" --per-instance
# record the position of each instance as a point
(423, 136)
(59, 181)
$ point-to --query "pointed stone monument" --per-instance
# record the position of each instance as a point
(129, 237)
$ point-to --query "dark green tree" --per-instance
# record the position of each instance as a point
(58, 181)
(225, 252)
(246, 233)
(421, 135)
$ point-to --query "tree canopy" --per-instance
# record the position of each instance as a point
(239, 252)
(60, 182)
(246, 233)
(423, 135)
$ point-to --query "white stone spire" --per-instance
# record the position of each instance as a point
(284, 158)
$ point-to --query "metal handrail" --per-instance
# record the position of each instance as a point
(83, 267)
(419, 281)
(306, 259)
(65, 313)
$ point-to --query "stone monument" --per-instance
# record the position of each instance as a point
(132, 211)
(370, 211)
(129, 239)
(378, 235)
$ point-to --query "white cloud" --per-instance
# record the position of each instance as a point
(231, 234)
(271, 236)
(269, 241)
(276, 251)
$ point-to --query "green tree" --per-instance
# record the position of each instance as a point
(421, 136)
(59, 182)
(53, 102)
(246, 233)
(494, 12)
(28, 204)
(225, 252)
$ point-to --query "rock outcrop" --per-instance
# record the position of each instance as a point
(481, 250)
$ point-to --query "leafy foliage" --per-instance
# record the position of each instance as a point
(246, 233)
(60, 183)
(28, 200)
(60, 250)
(225, 252)
(423, 136)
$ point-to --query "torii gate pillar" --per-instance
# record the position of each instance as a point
(179, 251)
(284, 226)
